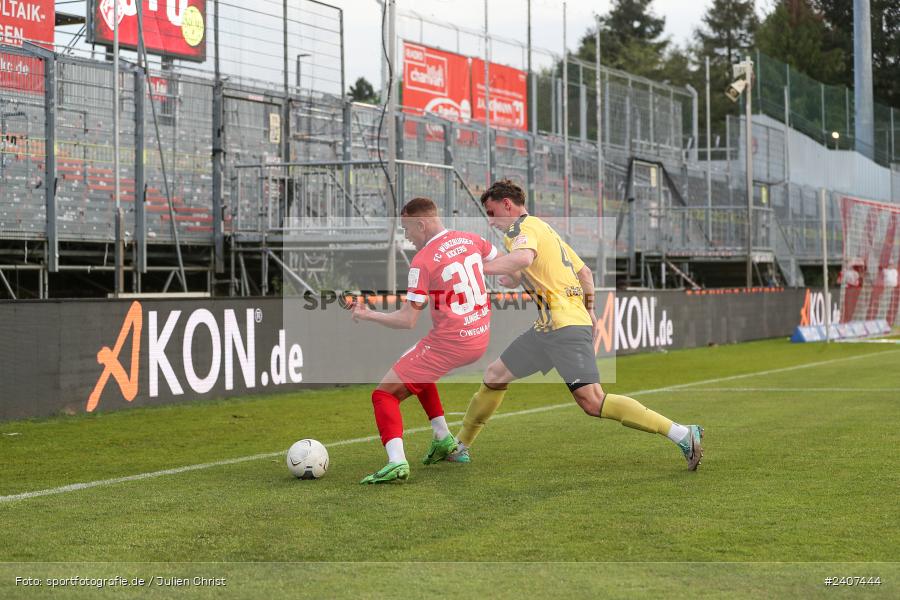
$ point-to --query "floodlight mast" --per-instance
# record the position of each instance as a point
(826, 293)
(392, 145)
(119, 253)
(487, 97)
(748, 106)
(743, 73)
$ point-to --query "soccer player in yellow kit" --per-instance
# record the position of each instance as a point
(562, 286)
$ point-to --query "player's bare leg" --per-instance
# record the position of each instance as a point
(483, 404)
(631, 413)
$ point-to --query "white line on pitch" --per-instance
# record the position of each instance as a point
(233, 461)
(679, 386)
(830, 389)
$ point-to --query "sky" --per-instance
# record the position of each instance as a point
(251, 44)
(506, 18)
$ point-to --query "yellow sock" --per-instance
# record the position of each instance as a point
(482, 405)
(632, 413)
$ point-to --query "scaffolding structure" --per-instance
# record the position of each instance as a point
(265, 157)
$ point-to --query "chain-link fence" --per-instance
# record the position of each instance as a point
(690, 214)
(638, 115)
(22, 145)
(167, 127)
(823, 112)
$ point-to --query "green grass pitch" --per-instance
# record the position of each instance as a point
(800, 482)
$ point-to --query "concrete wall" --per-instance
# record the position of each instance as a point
(843, 171)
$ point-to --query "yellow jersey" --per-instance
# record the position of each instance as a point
(552, 279)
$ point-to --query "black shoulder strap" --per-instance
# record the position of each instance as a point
(516, 228)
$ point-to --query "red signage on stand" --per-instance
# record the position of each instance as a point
(20, 22)
(174, 28)
(27, 21)
(436, 82)
(445, 84)
(508, 94)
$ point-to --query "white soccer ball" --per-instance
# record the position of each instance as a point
(307, 459)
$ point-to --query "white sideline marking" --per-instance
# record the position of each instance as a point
(233, 461)
(758, 373)
(830, 389)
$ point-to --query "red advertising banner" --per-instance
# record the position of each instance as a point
(436, 82)
(160, 88)
(509, 96)
(21, 73)
(25, 21)
(175, 28)
(444, 84)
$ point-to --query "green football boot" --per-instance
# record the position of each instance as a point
(691, 448)
(460, 455)
(440, 449)
(391, 472)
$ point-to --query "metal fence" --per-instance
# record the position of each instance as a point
(83, 137)
(639, 115)
(23, 139)
(167, 135)
(821, 110)
(325, 131)
(333, 180)
(346, 201)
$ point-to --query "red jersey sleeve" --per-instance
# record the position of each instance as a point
(487, 249)
(418, 280)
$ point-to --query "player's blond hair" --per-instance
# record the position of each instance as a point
(419, 207)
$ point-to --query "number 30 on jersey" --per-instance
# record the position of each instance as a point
(470, 284)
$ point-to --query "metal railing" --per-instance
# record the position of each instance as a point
(336, 185)
(685, 231)
(343, 201)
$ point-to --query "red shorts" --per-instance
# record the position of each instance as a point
(431, 359)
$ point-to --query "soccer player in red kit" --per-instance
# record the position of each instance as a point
(447, 274)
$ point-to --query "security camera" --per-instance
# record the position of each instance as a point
(735, 89)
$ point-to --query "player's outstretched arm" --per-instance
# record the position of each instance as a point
(510, 264)
(404, 318)
(510, 281)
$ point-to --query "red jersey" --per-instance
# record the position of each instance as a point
(448, 273)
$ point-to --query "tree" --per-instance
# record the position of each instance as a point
(794, 33)
(362, 91)
(678, 67)
(727, 32)
(629, 38)
(838, 18)
(728, 29)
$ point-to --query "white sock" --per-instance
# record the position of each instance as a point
(678, 432)
(394, 449)
(439, 427)
(460, 446)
